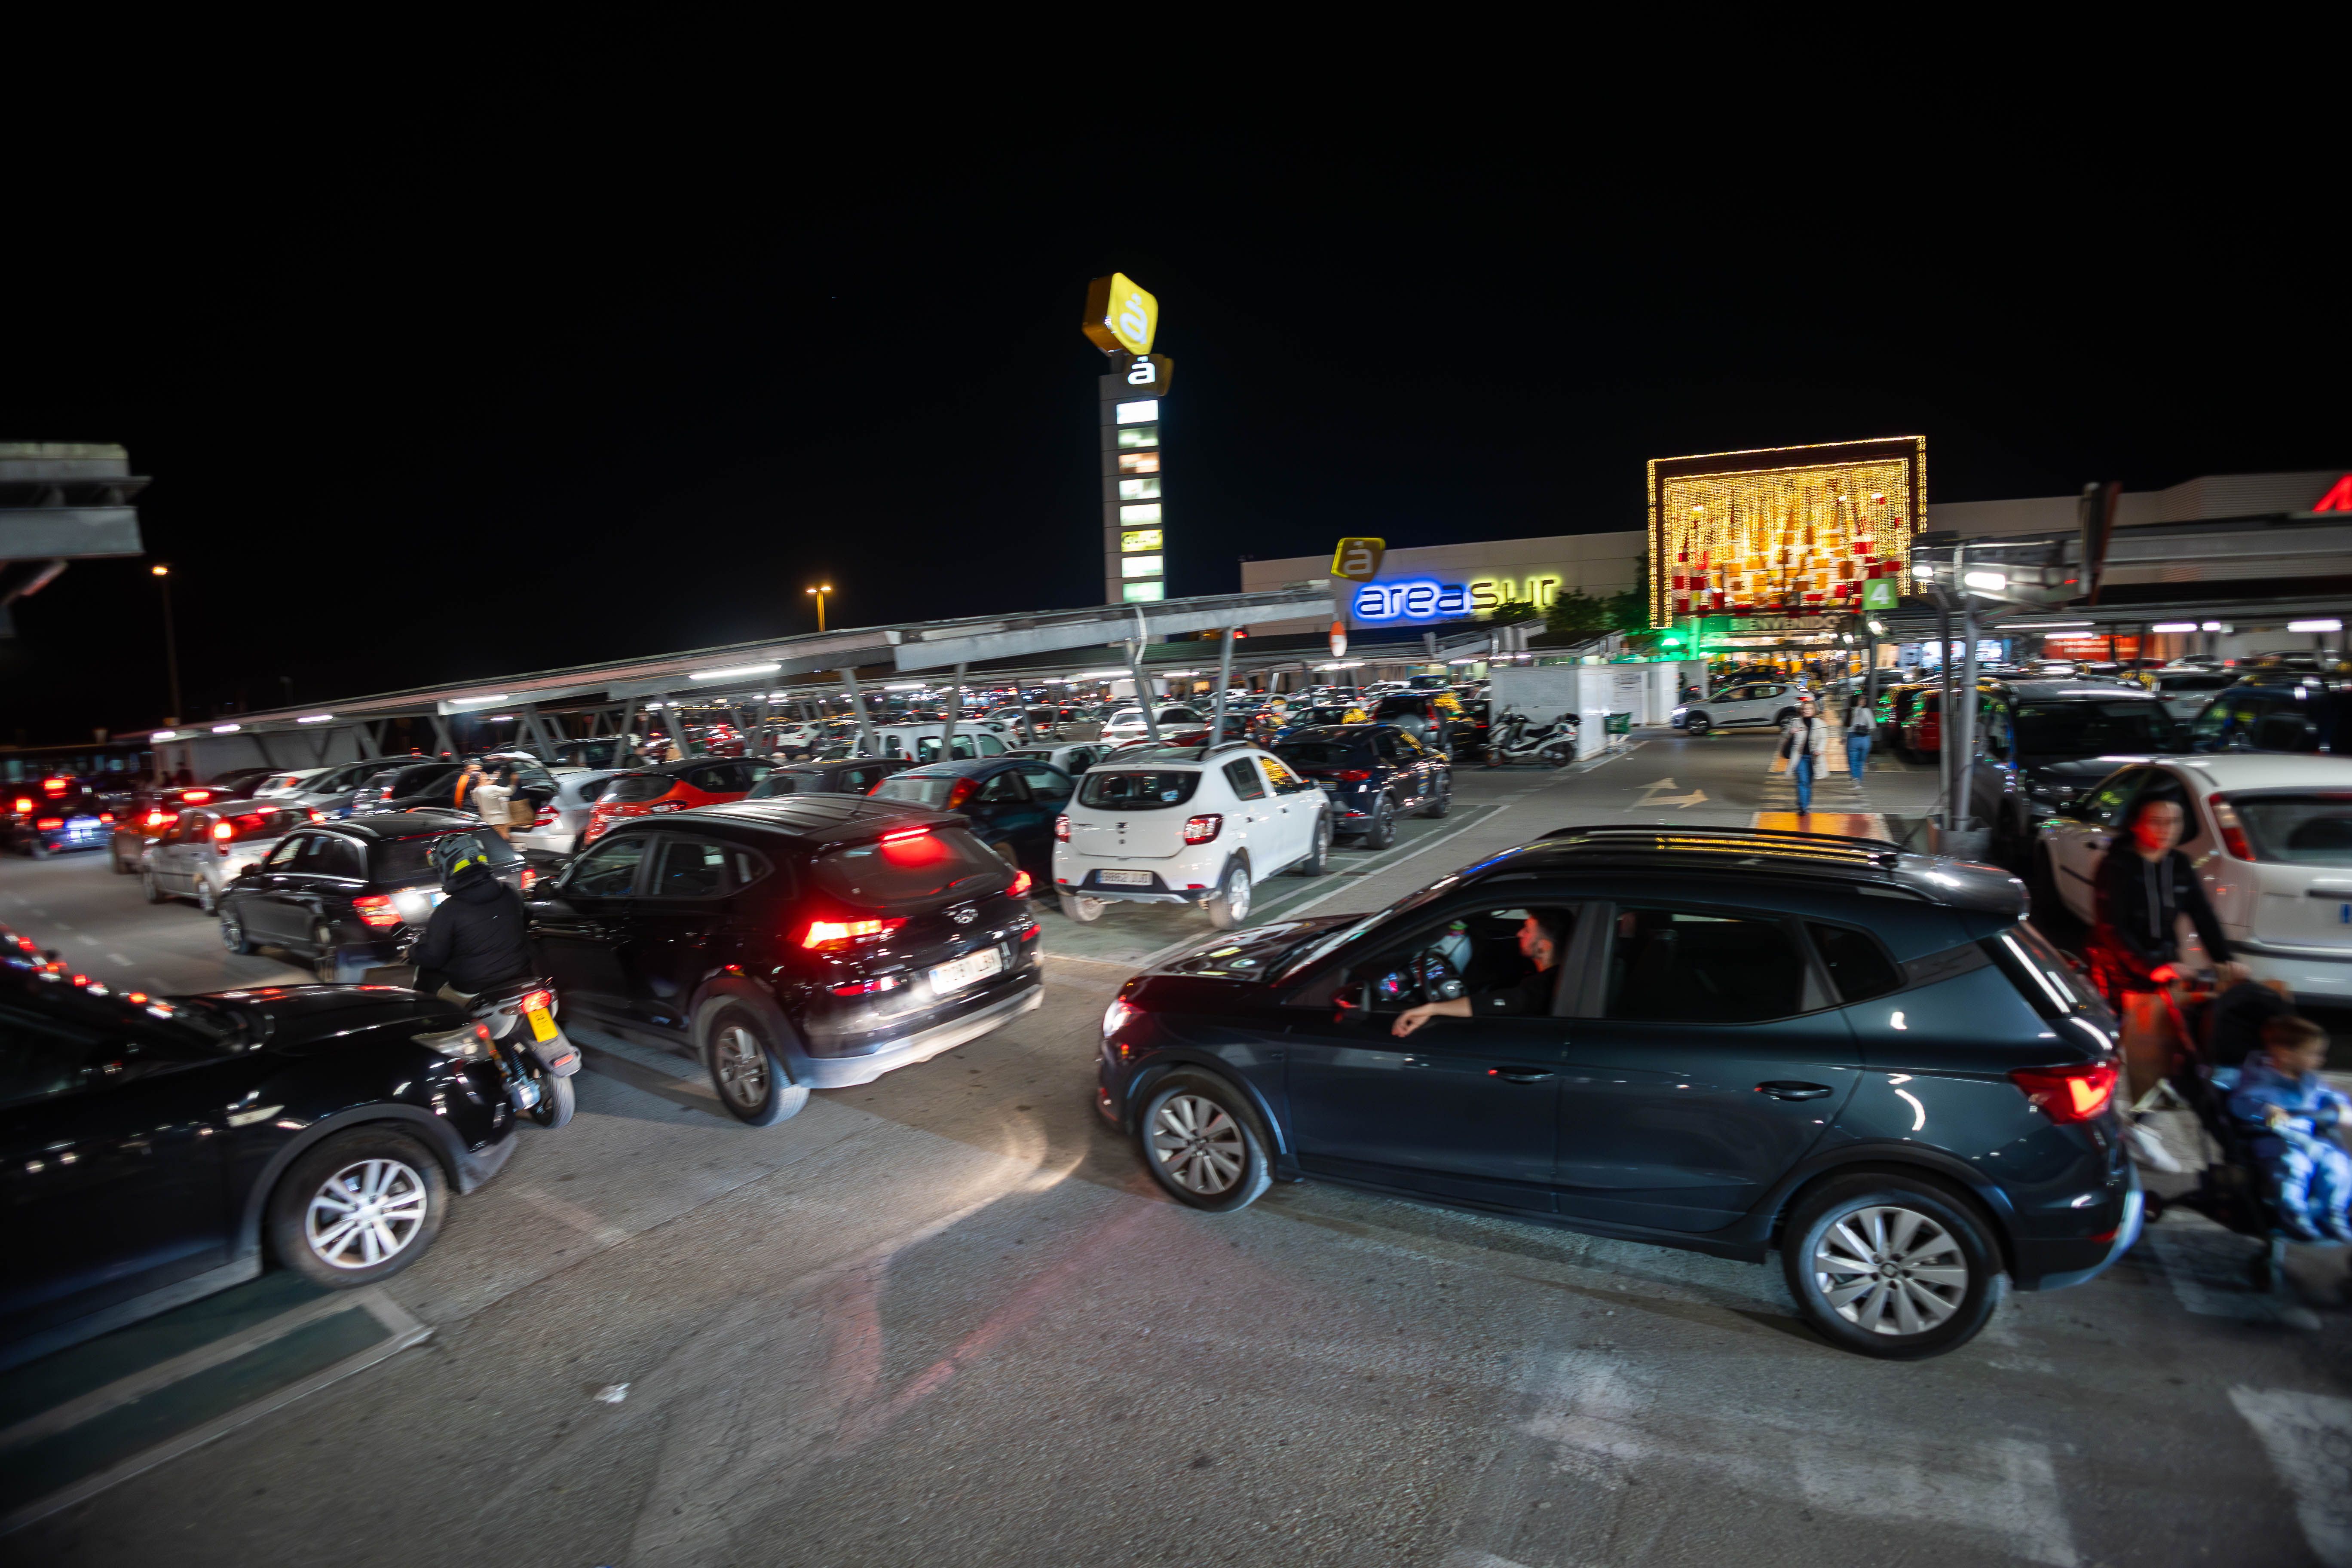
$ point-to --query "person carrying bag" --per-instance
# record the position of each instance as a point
(1803, 741)
(1861, 729)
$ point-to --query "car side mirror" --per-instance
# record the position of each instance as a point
(249, 870)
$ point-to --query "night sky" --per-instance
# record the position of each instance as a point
(473, 407)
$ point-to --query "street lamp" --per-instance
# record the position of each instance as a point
(820, 594)
(162, 576)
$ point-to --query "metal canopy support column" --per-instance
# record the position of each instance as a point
(857, 705)
(1143, 692)
(1964, 749)
(1944, 715)
(763, 748)
(441, 736)
(1225, 679)
(955, 711)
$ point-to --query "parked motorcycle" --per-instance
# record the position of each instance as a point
(1513, 739)
(514, 1026)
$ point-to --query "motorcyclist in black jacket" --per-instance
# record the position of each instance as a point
(480, 935)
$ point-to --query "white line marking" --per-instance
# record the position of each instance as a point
(578, 1218)
(117, 958)
(2309, 1437)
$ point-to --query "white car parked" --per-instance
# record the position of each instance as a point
(1761, 703)
(2271, 836)
(1127, 724)
(292, 781)
(1188, 824)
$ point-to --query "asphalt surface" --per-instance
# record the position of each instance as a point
(946, 1317)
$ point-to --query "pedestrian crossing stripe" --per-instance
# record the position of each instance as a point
(1844, 824)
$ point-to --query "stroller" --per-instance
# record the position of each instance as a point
(2232, 1190)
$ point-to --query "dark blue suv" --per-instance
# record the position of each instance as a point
(1730, 1040)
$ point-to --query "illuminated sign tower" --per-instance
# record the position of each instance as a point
(1784, 530)
(1121, 319)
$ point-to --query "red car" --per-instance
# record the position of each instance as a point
(671, 786)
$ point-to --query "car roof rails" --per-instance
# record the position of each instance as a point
(1819, 848)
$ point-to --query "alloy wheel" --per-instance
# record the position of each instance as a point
(1237, 894)
(1891, 1270)
(365, 1213)
(742, 1063)
(1198, 1142)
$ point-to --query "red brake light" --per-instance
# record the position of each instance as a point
(897, 833)
(375, 910)
(47, 822)
(159, 819)
(2233, 832)
(53, 786)
(1352, 776)
(106, 816)
(23, 804)
(223, 831)
(197, 797)
(961, 793)
(1202, 829)
(2068, 1094)
(1020, 889)
(825, 935)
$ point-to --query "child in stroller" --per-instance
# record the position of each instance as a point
(2289, 1117)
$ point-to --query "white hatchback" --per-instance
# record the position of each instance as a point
(1188, 824)
(1127, 724)
(2271, 836)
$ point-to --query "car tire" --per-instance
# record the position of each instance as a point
(750, 1074)
(1929, 1292)
(1319, 858)
(1443, 802)
(36, 850)
(1696, 724)
(1228, 906)
(232, 930)
(1204, 1143)
(1082, 909)
(360, 1206)
(151, 890)
(1380, 831)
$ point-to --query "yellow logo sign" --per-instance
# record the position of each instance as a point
(1359, 560)
(1120, 316)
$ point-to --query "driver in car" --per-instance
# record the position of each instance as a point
(1543, 938)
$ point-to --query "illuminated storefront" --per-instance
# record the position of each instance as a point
(1787, 530)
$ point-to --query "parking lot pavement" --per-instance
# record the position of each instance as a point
(945, 1317)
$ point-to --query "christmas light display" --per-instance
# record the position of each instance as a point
(1788, 530)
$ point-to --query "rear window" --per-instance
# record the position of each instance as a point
(403, 859)
(1143, 790)
(2302, 829)
(2091, 728)
(918, 789)
(251, 824)
(2042, 975)
(941, 862)
(1323, 754)
(635, 789)
(782, 783)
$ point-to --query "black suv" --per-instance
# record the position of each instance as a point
(845, 775)
(1374, 773)
(1748, 1041)
(153, 1149)
(342, 894)
(808, 942)
(2273, 710)
(2044, 742)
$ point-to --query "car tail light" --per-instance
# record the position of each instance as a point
(831, 934)
(376, 909)
(1350, 775)
(106, 816)
(1020, 889)
(961, 793)
(530, 878)
(224, 831)
(49, 822)
(868, 987)
(2233, 832)
(1062, 830)
(2068, 1094)
(897, 834)
(197, 797)
(545, 818)
(53, 786)
(1202, 829)
(317, 815)
(23, 804)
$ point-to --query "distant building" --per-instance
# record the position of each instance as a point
(1465, 578)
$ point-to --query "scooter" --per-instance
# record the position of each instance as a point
(513, 1026)
(1512, 740)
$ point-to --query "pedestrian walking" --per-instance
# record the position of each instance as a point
(490, 797)
(1803, 742)
(1861, 729)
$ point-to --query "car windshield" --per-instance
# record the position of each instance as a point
(1151, 789)
(909, 870)
(400, 860)
(2092, 727)
(2313, 829)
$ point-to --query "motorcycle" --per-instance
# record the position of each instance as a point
(1514, 740)
(513, 1026)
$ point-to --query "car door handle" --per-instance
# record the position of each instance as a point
(1782, 1090)
(1525, 1075)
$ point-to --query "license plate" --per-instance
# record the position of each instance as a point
(542, 1027)
(962, 971)
(1327, 786)
(1127, 878)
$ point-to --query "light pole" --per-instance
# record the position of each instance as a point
(162, 576)
(820, 594)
